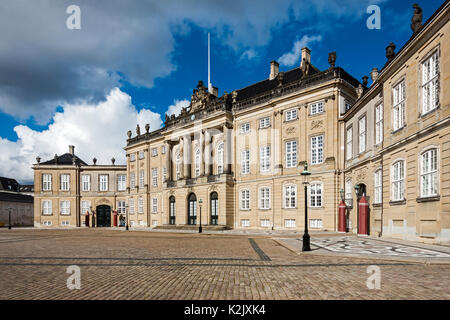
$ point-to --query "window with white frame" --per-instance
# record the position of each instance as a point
(378, 186)
(264, 158)
(245, 199)
(121, 182)
(265, 223)
(85, 207)
(399, 105)
(316, 108)
(349, 143)
(429, 173)
(289, 223)
(65, 207)
(65, 182)
(47, 223)
(245, 223)
(197, 163)
(178, 166)
(164, 174)
(154, 205)
(132, 181)
(154, 152)
(65, 223)
(348, 191)
(142, 179)
(131, 206)
(290, 115)
(220, 159)
(379, 123)
(264, 123)
(315, 195)
(245, 162)
(430, 83)
(398, 176)
(317, 149)
(163, 149)
(291, 154)
(132, 156)
(245, 127)
(264, 198)
(103, 182)
(121, 207)
(154, 223)
(46, 182)
(47, 207)
(140, 205)
(141, 154)
(315, 223)
(290, 196)
(85, 182)
(362, 134)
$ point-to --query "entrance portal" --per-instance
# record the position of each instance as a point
(103, 216)
(214, 208)
(192, 209)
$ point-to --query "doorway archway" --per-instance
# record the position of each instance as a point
(103, 216)
(192, 209)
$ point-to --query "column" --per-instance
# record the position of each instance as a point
(182, 151)
(168, 147)
(202, 152)
(207, 153)
(187, 157)
(226, 149)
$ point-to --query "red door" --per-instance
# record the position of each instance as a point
(363, 227)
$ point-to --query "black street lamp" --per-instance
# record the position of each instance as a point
(306, 237)
(9, 224)
(126, 211)
(200, 230)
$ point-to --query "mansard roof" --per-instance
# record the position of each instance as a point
(65, 159)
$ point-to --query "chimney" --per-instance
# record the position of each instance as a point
(72, 150)
(306, 56)
(274, 69)
(374, 74)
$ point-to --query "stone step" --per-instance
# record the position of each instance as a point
(192, 227)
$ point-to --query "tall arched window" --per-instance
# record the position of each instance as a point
(429, 173)
(172, 210)
(220, 159)
(214, 208)
(197, 163)
(178, 165)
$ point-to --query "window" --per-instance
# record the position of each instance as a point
(103, 182)
(264, 158)
(142, 154)
(290, 196)
(121, 207)
(132, 181)
(197, 163)
(154, 205)
(398, 175)
(85, 207)
(289, 223)
(315, 195)
(245, 127)
(430, 83)
(378, 187)
(264, 123)
(220, 159)
(245, 199)
(131, 205)
(315, 223)
(264, 198)
(348, 192)
(140, 205)
(178, 165)
(265, 223)
(245, 162)
(349, 143)
(65, 207)
(291, 115)
(362, 134)
(65, 182)
(142, 179)
(46, 182)
(399, 105)
(291, 154)
(85, 182)
(46, 207)
(379, 124)
(132, 157)
(245, 223)
(164, 174)
(317, 149)
(163, 149)
(429, 173)
(47, 223)
(347, 105)
(154, 223)
(316, 108)
(65, 223)
(154, 152)
(121, 182)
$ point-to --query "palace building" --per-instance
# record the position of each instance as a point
(235, 161)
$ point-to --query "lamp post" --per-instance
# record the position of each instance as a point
(9, 224)
(126, 212)
(306, 237)
(200, 230)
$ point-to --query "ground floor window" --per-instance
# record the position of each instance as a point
(289, 223)
(245, 223)
(315, 223)
(47, 223)
(65, 223)
(265, 223)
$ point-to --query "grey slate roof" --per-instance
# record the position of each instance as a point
(65, 159)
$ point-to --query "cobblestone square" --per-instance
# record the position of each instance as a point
(116, 264)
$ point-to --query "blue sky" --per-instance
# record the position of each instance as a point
(158, 58)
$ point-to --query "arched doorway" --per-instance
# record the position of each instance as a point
(214, 208)
(172, 210)
(192, 209)
(103, 216)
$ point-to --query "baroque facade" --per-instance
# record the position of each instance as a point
(234, 161)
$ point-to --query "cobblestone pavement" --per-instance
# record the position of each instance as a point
(145, 265)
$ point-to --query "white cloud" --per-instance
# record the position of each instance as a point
(177, 106)
(96, 130)
(293, 57)
(249, 54)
